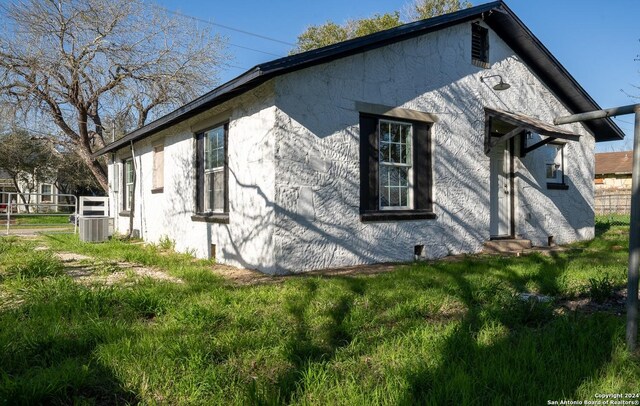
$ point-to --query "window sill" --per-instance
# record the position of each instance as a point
(220, 218)
(125, 213)
(557, 186)
(157, 190)
(397, 215)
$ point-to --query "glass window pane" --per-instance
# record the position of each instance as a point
(384, 132)
(208, 191)
(404, 196)
(395, 153)
(403, 177)
(384, 152)
(129, 170)
(395, 132)
(384, 175)
(218, 191)
(219, 158)
(394, 196)
(384, 197)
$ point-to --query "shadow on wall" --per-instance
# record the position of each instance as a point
(316, 209)
(563, 214)
(461, 171)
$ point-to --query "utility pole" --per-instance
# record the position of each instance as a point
(634, 231)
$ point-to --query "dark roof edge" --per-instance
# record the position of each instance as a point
(263, 72)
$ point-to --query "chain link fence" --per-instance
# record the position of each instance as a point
(613, 207)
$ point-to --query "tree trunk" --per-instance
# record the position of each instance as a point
(96, 168)
(24, 201)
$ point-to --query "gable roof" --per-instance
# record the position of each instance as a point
(614, 163)
(495, 14)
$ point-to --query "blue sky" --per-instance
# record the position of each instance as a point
(595, 40)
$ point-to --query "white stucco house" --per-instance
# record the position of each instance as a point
(399, 144)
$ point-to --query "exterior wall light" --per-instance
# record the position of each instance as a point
(502, 85)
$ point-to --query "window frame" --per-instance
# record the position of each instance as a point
(126, 199)
(201, 213)
(409, 165)
(558, 183)
(421, 178)
(42, 194)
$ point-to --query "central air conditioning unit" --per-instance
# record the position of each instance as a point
(94, 229)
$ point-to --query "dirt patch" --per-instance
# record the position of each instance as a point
(89, 271)
(241, 276)
(614, 304)
(71, 257)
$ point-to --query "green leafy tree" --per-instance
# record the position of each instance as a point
(317, 36)
(423, 9)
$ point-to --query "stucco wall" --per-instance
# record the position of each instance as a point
(565, 215)
(247, 241)
(317, 223)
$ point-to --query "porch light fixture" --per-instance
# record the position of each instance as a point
(502, 85)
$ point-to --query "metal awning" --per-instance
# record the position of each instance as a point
(513, 124)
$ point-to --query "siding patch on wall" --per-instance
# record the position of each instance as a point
(305, 207)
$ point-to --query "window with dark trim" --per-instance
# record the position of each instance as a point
(554, 166)
(395, 169)
(46, 193)
(127, 184)
(212, 175)
(479, 45)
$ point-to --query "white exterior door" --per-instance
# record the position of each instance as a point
(500, 191)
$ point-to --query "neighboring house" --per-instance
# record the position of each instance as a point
(384, 148)
(40, 196)
(613, 182)
(613, 170)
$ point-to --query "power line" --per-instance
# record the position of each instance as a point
(223, 26)
(255, 50)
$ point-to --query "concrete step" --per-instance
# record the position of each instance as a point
(507, 245)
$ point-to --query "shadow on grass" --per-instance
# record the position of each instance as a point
(503, 351)
(50, 343)
(65, 383)
(510, 351)
(303, 349)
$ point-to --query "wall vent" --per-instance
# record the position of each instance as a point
(212, 254)
(418, 252)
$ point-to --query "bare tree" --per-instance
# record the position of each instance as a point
(84, 62)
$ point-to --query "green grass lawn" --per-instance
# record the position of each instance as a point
(449, 332)
(36, 219)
